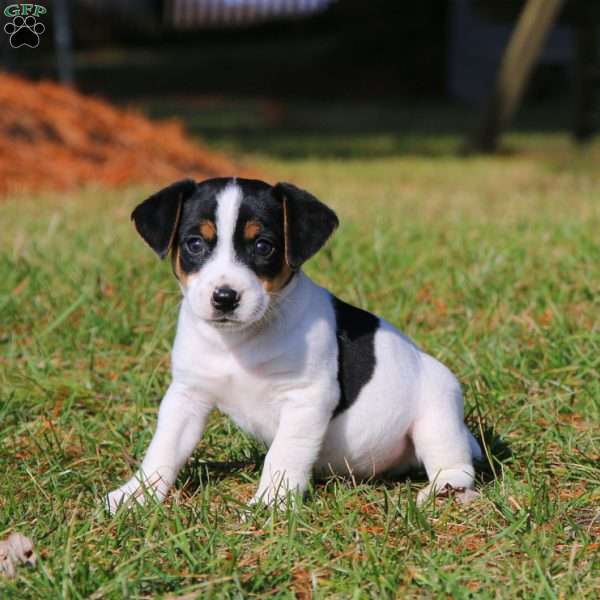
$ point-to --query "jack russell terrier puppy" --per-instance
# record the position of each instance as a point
(328, 387)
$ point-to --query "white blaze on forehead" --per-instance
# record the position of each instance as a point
(228, 206)
(224, 270)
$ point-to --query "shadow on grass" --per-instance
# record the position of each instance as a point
(496, 452)
(199, 472)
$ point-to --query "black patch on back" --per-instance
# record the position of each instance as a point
(355, 332)
(261, 206)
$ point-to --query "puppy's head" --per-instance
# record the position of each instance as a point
(234, 243)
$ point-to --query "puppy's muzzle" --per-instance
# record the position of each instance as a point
(225, 299)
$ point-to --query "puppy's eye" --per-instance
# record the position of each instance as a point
(195, 245)
(263, 248)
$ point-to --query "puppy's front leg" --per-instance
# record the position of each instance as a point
(290, 459)
(181, 421)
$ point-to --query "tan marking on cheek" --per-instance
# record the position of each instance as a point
(251, 230)
(208, 230)
(273, 285)
(181, 276)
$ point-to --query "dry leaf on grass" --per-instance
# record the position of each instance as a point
(14, 550)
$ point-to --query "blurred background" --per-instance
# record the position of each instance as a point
(319, 78)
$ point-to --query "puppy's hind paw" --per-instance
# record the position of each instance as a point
(463, 495)
(467, 496)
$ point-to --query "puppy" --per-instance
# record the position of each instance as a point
(328, 387)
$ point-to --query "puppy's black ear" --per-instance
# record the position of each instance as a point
(308, 223)
(156, 218)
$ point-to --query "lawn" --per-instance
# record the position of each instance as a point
(491, 264)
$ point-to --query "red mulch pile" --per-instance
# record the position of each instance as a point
(52, 137)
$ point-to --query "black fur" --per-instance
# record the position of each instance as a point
(199, 207)
(309, 223)
(355, 330)
(260, 205)
(294, 221)
(156, 218)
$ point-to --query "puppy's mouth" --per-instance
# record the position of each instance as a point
(225, 321)
(235, 319)
(230, 322)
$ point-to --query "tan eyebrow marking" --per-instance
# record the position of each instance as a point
(252, 229)
(208, 230)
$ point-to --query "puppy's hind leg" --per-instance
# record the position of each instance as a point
(443, 444)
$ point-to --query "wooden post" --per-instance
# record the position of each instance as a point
(526, 43)
(62, 42)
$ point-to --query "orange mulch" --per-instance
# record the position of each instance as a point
(52, 137)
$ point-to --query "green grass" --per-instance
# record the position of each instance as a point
(491, 264)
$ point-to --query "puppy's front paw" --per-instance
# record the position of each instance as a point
(138, 490)
(267, 497)
(259, 507)
(116, 499)
(280, 498)
(132, 491)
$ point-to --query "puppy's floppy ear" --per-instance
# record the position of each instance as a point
(308, 223)
(156, 218)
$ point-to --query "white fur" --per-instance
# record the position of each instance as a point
(275, 375)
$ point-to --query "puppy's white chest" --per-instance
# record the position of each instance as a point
(245, 393)
(252, 405)
(250, 381)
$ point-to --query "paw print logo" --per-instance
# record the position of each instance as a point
(24, 31)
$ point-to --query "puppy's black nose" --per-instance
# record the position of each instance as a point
(225, 299)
